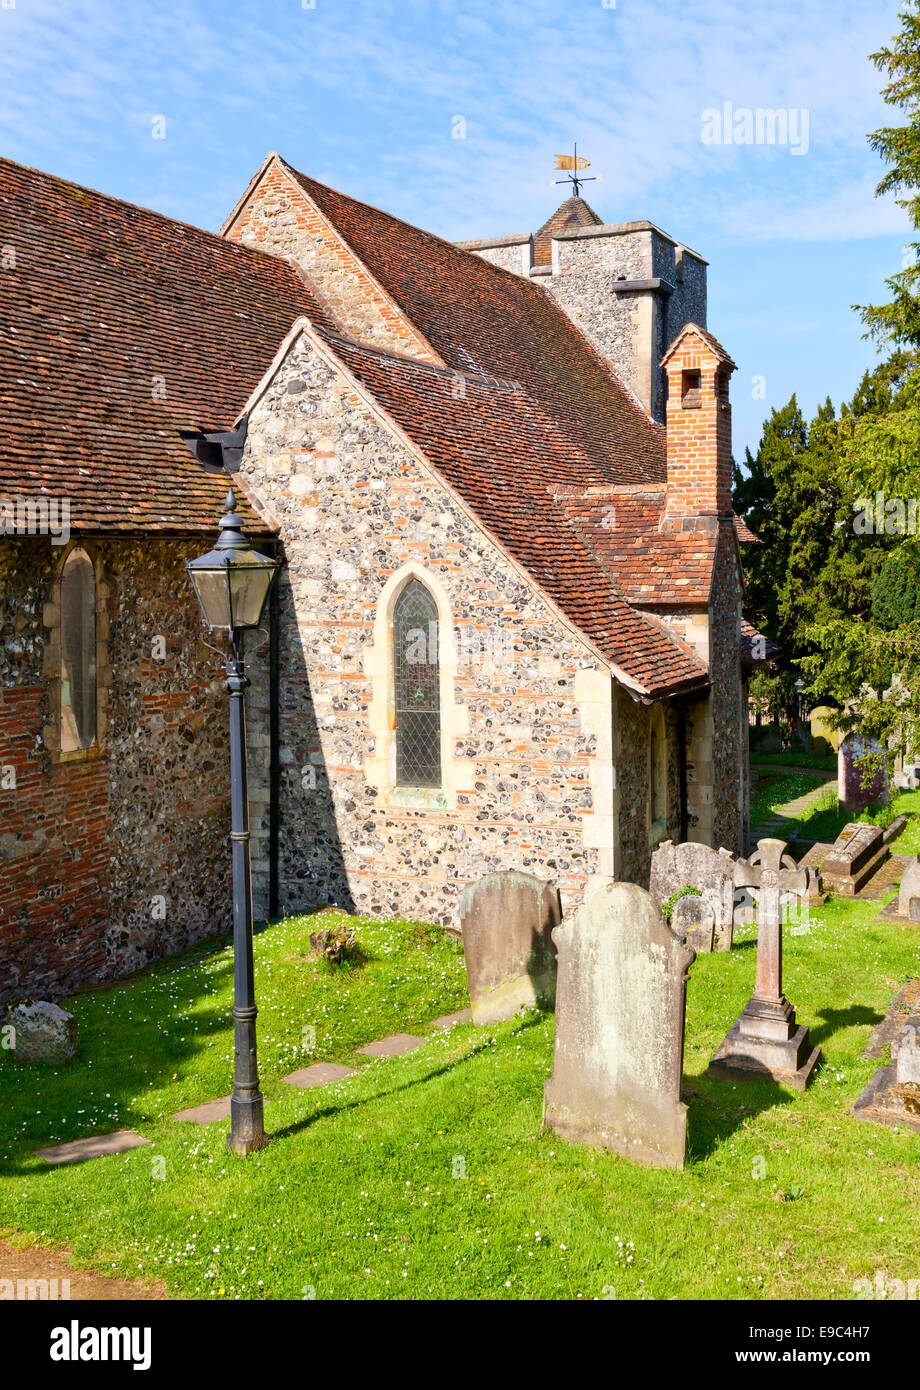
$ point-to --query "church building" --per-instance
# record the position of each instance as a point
(507, 632)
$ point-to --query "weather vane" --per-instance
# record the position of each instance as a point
(574, 161)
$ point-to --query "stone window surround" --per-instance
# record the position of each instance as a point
(657, 829)
(380, 765)
(51, 663)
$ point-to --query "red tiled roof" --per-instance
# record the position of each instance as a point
(108, 302)
(484, 320)
(574, 212)
(479, 451)
(745, 534)
(650, 567)
(767, 648)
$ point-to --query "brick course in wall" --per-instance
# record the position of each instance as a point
(88, 844)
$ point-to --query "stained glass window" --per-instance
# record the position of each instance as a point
(78, 653)
(418, 688)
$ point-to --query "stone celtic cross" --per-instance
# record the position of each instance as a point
(770, 873)
(764, 1040)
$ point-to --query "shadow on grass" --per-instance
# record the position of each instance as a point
(716, 1109)
(835, 1019)
(325, 1112)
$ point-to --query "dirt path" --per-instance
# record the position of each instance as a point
(54, 1267)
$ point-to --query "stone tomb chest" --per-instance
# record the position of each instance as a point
(855, 855)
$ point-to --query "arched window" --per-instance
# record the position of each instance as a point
(417, 688)
(78, 653)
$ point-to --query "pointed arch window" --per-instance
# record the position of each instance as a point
(78, 653)
(417, 679)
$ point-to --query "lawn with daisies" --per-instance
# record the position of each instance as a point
(427, 1175)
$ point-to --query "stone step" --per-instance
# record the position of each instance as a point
(97, 1146)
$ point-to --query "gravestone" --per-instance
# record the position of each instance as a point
(507, 921)
(850, 770)
(42, 1032)
(693, 921)
(764, 1040)
(892, 1097)
(690, 865)
(619, 1042)
(909, 892)
(855, 856)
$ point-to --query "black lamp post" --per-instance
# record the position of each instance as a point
(232, 583)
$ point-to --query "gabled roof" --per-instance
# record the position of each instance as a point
(124, 327)
(694, 330)
(573, 213)
(483, 320)
(118, 328)
(481, 462)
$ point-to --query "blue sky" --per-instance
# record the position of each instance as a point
(364, 95)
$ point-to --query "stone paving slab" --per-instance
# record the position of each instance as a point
(905, 1005)
(319, 1074)
(97, 1146)
(448, 1020)
(208, 1112)
(393, 1046)
(886, 876)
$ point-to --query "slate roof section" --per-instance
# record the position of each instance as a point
(104, 298)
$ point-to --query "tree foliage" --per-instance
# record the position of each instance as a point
(838, 579)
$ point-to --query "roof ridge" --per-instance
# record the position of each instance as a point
(140, 208)
(401, 221)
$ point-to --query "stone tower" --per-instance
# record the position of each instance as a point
(628, 286)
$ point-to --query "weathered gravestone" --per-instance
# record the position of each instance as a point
(855, 856)
(507, 921)
(42, 1032)
(909, 892)
(619, 1044)
(893, 1094)
(693, 921)
(690, 865)
(764, 1040)
(851, 770)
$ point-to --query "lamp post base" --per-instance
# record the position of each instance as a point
(246, 1129)
(244, 1147)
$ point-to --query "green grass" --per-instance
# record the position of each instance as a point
(774, 792)
(360, 1194)
(829, 819)
(791, 758)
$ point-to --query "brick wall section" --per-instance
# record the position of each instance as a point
(86, 845)
(354, 506)
(699, 437)
(279, 218)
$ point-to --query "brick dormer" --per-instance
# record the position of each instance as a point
(699, 429)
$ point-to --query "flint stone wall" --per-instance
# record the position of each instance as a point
(534, 779)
